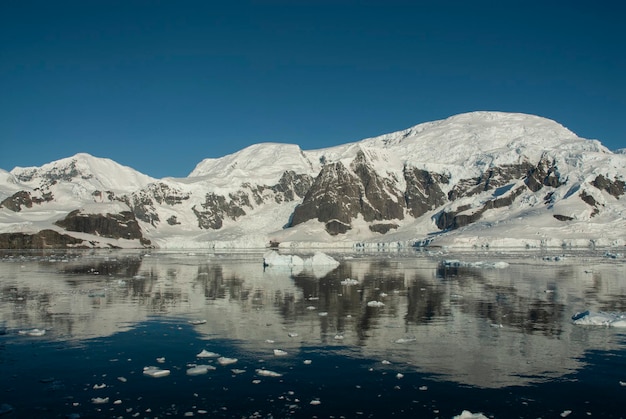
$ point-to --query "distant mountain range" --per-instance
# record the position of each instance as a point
(481, 179)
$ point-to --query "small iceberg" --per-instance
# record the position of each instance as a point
(268, 373)
(222, 360)
(273, 258)
(280, 352)
(350, 281)
(375, 304)
(32, 332)
(206, 354)
(466, 414)
(155, 372)
(599, 318)
(200, 369)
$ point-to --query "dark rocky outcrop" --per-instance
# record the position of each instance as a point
(562, 217)
(24, 199)
(382, 228)
(45, 239)
(544, 174)
(423, 191)
(216, 208)
(115, 226)
(614, 187)
(493, 178)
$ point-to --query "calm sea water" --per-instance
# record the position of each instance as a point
(383, 335)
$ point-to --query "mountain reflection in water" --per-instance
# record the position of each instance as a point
(478, 326)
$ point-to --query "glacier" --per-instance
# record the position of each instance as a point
(475, 180)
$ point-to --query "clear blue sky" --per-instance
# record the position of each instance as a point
(160, 85)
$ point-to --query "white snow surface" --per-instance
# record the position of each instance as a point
(459, 147)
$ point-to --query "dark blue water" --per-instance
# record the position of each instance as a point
(495, 341)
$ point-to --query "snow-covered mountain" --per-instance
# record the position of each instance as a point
(477, 179)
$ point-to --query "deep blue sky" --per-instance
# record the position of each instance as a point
(160, 85)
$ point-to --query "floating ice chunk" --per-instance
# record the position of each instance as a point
(237, 371)
(455, 263)
(311, 308)
(385, 362)
(315, 402)
(292, 334)
(566, 413)
(375, 304)
(161, 360)
(399, 375)
(155, 372)
(466, 414)
(100, 400)
(200, 369)
(196, 322)
(206, 354)
(323, 313)
(600, 319)
(222, 360)
(99, 386)
(256, 381)
(350, 281)
(279, 352)
(406, 340)
(273, 258)
(122, 379)
(307, 362)
(32, 332)
(268, 373)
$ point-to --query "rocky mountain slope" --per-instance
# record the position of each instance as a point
(477, 179)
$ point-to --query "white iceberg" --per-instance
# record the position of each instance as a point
(155, 372)
(600, 318)
(222, 360)
(273, 258)
(200, 369)
(280, 352)
(268, 373)
(32, 332)
(375, 304)
(466, 414)
(206, 354)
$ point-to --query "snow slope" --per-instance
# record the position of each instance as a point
(478, 163)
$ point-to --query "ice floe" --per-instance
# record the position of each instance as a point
(155, 372)
(273, 258)
(600, 319)
(200, 369)
(350, 281)
(280, 352)
(375, 304)
(32, 332)
(206, 354)
(455, 263)
(268, 373)
(100, 400)
(466, 414)
(222, 360)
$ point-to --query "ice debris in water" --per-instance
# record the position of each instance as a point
(200, 369)
(600, 319)
(268, 373)
(222, 360)
(206, 354)
(32, 332)
(375, 304)
(155, 372)
(349, 281)
(100, 400)
(196, 322)
(454, 263)
(279, 352)
(466, 414)
(273, 258)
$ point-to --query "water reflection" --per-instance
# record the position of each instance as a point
(478, 326)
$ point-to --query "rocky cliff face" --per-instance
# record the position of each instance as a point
(473, 172)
